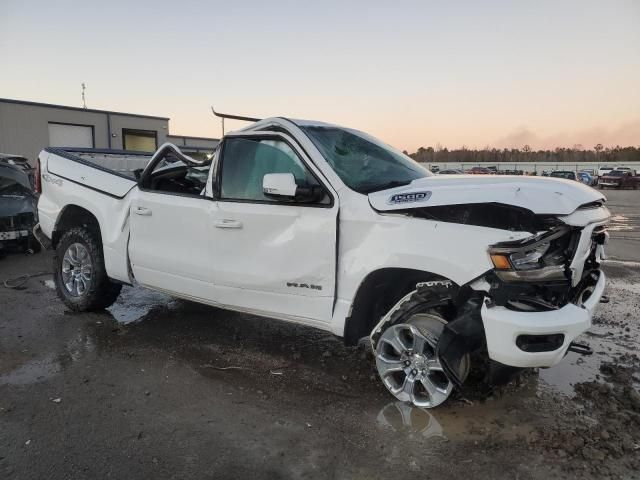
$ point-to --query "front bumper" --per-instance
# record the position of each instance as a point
(503, 326)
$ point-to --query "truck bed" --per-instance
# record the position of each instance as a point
(107, 171)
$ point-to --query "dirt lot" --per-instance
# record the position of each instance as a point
(161, 388)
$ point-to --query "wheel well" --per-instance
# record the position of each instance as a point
(74, 216)
(377, 293)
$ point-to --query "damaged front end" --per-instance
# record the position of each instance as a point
(17, 209)
(543, 290)
(555, 269)
(528, 309)
(540, 287)
(547, 271)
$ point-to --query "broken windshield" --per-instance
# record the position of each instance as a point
(13, 181)
(363, 163)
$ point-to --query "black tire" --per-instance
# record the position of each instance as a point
(423, 302)
(101, 292)
(418, 315)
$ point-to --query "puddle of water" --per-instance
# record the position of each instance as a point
(134, 303)
(41, 369)
(33, 371)
(404, 418)
(452, 423)
(614, 333)
(573, 369)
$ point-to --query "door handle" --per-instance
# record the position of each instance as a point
(142, 211)
(227, 223)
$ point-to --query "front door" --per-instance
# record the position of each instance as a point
(273, 256)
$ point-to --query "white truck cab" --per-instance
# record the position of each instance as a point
(328, 227)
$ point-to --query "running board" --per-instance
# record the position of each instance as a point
(41, 237)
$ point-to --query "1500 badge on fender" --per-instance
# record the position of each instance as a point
(409, 197)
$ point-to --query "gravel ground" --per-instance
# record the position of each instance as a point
(161, 388)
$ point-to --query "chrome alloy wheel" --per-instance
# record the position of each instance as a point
(407, 362)
(76, 269)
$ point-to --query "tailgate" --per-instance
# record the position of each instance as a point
(74, 168)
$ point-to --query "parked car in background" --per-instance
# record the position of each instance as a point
(604, 170)
(18, 211)
(566, 174)
(620, 179)
(451, 171)
(586, 178)
(20, 162)
(594, 174)
(626, 169)
(480, 171)
(435, 169)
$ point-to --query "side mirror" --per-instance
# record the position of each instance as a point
(279, 185)
(282, 186)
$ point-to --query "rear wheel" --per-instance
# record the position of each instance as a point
(79, 272)
(407, 362)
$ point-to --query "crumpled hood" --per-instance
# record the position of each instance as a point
(541, 195)
(14, 204)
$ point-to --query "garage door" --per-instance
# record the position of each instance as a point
(65, 135)
(139, 140)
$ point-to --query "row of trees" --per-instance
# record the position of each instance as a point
(615, 155)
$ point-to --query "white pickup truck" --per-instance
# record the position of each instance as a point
(328, 227)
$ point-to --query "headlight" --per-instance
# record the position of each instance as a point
(534, 258)
(529, 259)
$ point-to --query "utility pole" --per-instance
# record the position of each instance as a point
(84, 102)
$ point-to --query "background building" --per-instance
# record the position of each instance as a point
(28, 127)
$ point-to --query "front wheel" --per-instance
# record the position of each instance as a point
(79, 272)
(407, 362)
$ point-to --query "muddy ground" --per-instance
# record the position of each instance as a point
(161, 388)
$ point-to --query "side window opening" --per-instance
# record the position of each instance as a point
(174, 175)
(245, 162)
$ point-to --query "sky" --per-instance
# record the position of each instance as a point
(545, 73)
